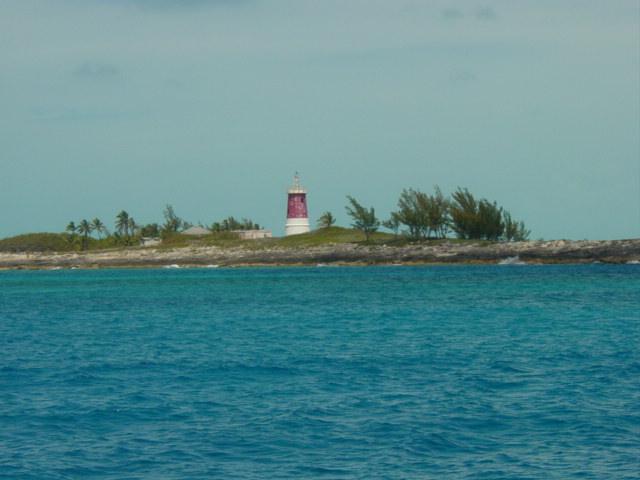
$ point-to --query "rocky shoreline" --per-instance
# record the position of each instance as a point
(558, 251)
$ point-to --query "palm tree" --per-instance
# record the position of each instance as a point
(71, 229)
(326, 220)
(132, 226)
(85, 229)
(122, 224)
(99, 227)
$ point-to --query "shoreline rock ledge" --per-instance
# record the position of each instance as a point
(438, 252)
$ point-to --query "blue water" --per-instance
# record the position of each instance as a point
(380, 372)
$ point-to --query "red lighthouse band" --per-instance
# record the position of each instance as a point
(297, 211)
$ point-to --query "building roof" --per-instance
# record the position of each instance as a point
(296, 187)
(196, 230)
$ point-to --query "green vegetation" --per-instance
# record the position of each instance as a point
(151, 230)
(93, 235)
(52, 242)
(99, 227)
(219, 239)
(326, 220)
(514, 231)
(481, 219)
(323, 236)
(393, 223)
(85, 229)
(419, 217)
(123, 227)
(172, 222)
(326, 236)
(424, 215)
(230, 223)
(37, 242)
(432, 216)
(364, 219)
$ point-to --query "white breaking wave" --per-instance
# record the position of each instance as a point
(512, 261)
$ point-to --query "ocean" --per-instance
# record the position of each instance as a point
(496, 372)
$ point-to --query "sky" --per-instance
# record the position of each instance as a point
(212, 105)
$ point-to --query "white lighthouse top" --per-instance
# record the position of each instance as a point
(296, 187)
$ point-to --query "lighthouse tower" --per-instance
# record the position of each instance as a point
(297, 214)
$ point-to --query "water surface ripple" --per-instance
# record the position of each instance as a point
(386, 372)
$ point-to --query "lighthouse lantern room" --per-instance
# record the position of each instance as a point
(297, 213)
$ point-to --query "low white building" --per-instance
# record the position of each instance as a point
(150, 241)
(253, 234)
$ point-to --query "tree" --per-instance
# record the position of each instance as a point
(438, 213)
(411, 212)
(150, 230)
(85, 228)
(364, 219)
(71, 229)
(522, 233)
(248, 224)
(132, 226)
(424, 215)
(326, 220)
(230, 224)
(475, 219)
(172, 222)
(514, 231)
(122, 224)
(126, 227)
(490, 221)
(393, 223)
(99, 227)
(464, 214)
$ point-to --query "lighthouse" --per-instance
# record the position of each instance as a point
(297, 214)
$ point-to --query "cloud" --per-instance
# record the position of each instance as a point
(177, 4)
(482, 13)
(92, 70)
(462, 76)
(452, 13)
(485, 13)
(74, 114)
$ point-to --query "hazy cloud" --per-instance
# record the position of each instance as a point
(92, 70)
(74, 114)
(462, 76)
(452, 13)
(177, 4)
(485, 13)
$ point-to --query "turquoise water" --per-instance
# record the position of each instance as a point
(380, 372)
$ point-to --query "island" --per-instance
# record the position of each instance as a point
(326, 246)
